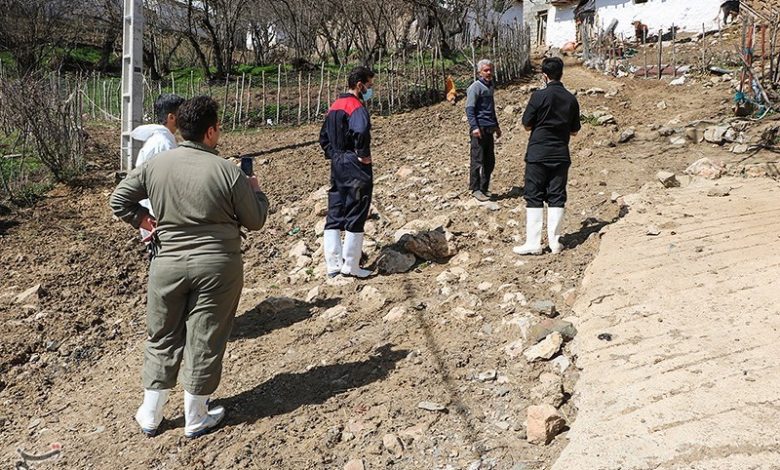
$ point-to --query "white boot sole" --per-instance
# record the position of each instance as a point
(519, 250)
(218, 413)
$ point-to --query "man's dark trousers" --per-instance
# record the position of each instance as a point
(546, 182)
(349, 198)
(483, 160)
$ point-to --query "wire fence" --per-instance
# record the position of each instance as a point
(282, 95)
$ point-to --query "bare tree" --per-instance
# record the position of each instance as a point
(447, 19)
(262, 28)
(32, 30)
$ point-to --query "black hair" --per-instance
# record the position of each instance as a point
(195, 116)
(165, 104)
(359, 74)
(553, 67)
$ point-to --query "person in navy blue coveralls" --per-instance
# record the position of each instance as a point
(346, 140)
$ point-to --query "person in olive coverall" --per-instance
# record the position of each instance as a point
(201, 201)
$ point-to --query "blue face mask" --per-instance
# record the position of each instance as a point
(368, 94)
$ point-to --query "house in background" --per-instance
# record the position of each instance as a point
(554, 22)
(511, 15)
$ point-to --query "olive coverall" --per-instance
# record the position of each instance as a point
(195, 281)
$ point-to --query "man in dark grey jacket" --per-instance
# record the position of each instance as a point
(483, 125)
(201, 201)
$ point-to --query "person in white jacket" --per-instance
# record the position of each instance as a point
(157, 138)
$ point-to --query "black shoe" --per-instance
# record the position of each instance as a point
(480, 196)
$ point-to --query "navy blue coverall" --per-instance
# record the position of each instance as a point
(345, 136)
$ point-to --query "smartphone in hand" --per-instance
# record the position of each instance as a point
(247, 166)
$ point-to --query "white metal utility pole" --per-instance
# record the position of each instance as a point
(132, 79)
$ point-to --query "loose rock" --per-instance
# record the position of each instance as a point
(431, 245)
(392, 261)
(356, 464)
(544, 307)
(544, 328)
(668, 179)
(627, 135)
(431, 406)
(546, 349)
(719, 191)
(544, 423)
(706, 168)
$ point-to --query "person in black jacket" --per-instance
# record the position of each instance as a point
(346, 140)
(483, 125)
(552, 116)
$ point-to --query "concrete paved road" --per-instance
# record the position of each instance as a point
(691, 378)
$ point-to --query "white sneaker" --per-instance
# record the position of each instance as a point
(554, 228)
(533, 228)
(150, 413)
(331, 248)
(353, 250)
(198, 418)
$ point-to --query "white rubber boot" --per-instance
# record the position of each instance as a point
(198, 418)
(353, 250)
(331, 248)
(534, 218)
(554, 228)
(150, 413)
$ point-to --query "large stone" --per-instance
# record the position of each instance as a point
(371, 299)
(706, 168)
(546, 348)
(544, 422)
(544, 328)
(421, 225)
(430, 245)
(392, 261)
(668, 179)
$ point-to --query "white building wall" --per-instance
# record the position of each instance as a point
(561, 27)
(513, 15)
(688, 15)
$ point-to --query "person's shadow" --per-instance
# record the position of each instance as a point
(287, 392)
(589, 226)
(275, 313)
(515, 192)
